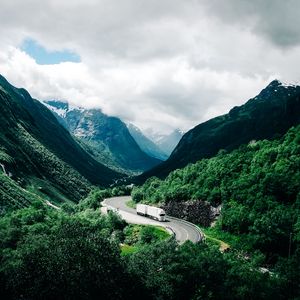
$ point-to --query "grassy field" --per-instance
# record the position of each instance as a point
(137, 236)
(224, 239)
(127, 249)
(131, 204)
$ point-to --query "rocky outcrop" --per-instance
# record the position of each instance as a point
(195, 211)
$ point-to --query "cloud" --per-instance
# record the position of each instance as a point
(276, 20)
(159, 64)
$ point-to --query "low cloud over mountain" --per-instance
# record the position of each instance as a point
(159, 64)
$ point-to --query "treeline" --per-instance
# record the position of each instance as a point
(75, 253)
(258, 186)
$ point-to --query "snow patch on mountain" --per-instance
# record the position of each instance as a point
(60, 107)
(289, 84)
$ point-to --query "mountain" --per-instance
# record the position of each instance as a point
(266, 116)
(165, 142)
(145, 143)
(168, 142)
(106, 138)
(39, 154)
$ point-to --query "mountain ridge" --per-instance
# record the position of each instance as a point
(145, 143)
(271, 113)
(42, 154)
(106, 138)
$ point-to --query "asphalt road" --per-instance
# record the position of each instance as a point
(183, 230)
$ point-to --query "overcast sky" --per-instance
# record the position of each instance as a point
(160, 64)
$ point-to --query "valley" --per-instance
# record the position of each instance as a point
(107, 139)
(150, 150)
(230, 189)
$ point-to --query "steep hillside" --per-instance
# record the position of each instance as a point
(145, 143)
(266, 116)
(257, 184)
(41, 155)
(106, 138)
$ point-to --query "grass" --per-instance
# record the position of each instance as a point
(128, 249)
(133, 237)
(215, 236)
(241, 241)
(137, 236)
(160, 232)
(46, 191)
(131, 204)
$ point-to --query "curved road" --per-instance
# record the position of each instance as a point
(183, 230)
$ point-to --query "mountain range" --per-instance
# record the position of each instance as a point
(40, 155)
(165, 142)
(59, 155)
(146, 144)
(106, 138)
(268, 115)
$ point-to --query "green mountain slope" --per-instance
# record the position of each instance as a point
(107, 138)
(258, 185)
(268, 115)
(40, 153)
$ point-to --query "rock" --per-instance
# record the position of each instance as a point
(195, 211)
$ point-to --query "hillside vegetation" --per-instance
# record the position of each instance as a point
(37, 152)
(106, 138)
(258, 186)
(76, 253)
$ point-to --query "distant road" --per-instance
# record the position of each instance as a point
(183, 230)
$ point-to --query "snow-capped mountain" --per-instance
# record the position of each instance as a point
(61, 108)
(105, 138)
(166, 142)
(145, 143)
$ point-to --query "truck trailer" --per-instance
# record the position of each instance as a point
(151, 212)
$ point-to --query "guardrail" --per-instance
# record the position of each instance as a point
(201, 236)
(171, 230)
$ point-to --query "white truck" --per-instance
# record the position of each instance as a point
(151, 212)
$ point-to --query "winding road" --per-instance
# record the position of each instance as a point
(183, 230)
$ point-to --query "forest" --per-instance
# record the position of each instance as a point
(77, 253)
(258, 188)
(150, 150)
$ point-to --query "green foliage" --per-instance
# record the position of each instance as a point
(53, 254)
(140, 234)
(258, 186)
(131, 204)
(94, 199)
(40, 154)
(4, 157)
(12, 196)
(200, 272)
(96, 196)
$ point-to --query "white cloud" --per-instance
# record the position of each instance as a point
(161, 64)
